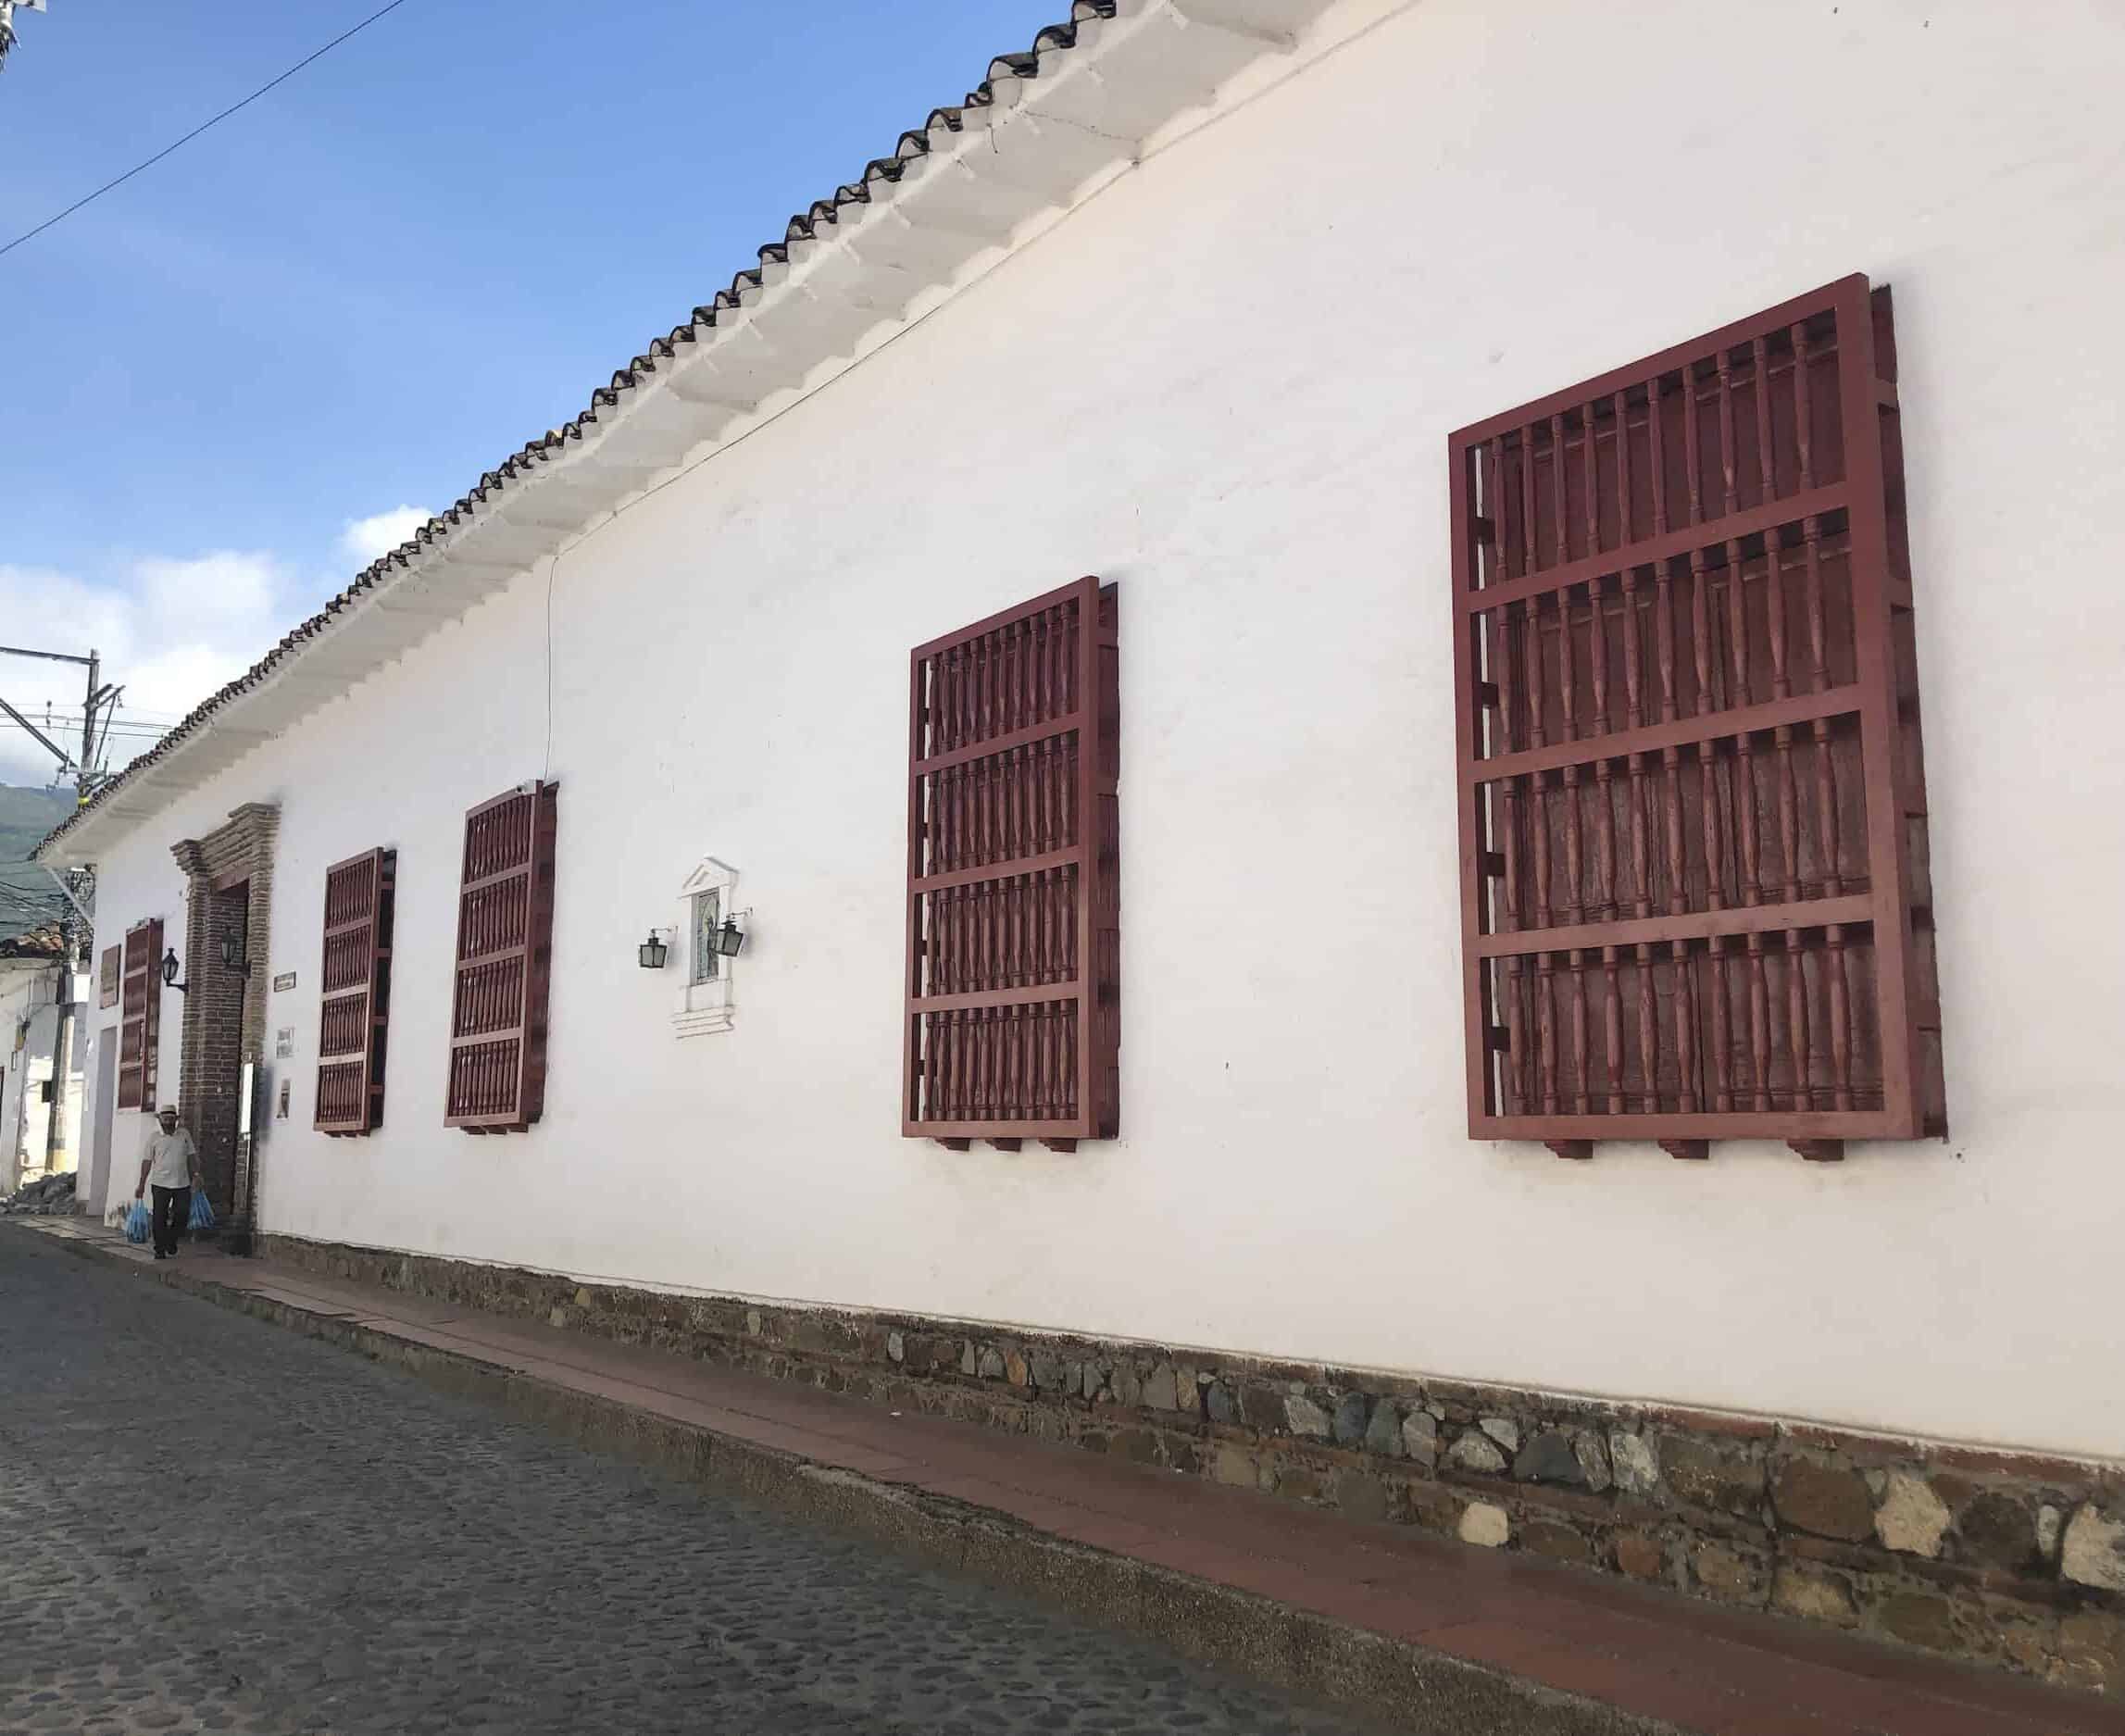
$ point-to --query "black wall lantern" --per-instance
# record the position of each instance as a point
(652, 951)
(729, 937)
(233, 954)
(169, 970)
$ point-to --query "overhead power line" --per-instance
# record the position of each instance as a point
(89, 198)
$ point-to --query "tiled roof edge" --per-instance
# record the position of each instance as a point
(657, 359)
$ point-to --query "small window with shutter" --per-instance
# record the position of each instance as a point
(1693, 870)
(504, 960)
(110, 976)
(140, 1016)
(1014, 946)
(354, 1015)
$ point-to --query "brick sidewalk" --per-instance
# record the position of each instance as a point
(1418, 1629)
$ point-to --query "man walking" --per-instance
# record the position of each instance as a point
(171, 1168)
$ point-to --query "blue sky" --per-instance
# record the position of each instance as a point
(224, 381)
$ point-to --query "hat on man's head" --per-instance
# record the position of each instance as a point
(167, 1108)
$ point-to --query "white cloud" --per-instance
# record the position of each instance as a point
(366, 540)
(172, 630)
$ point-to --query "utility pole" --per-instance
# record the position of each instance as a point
(96, 699)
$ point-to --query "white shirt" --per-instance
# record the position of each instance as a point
(169, 1158)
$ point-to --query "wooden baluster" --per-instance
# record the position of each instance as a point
(1840, 1020)
(1566, 670)
(1560, 488)
(1641, 865)
(1065, 658)
(1623, 514)
(1798, 1036)
(1709, 803)
(1766, 459)
(1648, 1029)
(1728, 453)
(1497, 564)
(1546, 1030)
(1678, 885)
(1686, 1026)
(1723, 1037)
(1744, 767)
(1530, 635)
(1497, 626)
(1573, 868)
(1803, 410)
(1604, 811)
(1501, 660)
(1612, 1028)
(1538, 795)
(985, 686)
(1663, 633)
(1700, 645)
(1692, 448)
(1574, 899)
(1591, 456)
(1825, 771)
(1759, 1023)
(1701, 633)
(1067, 1069)
(1634, 717)
(1516, 1037)
(1781, 688)
(1579, 1049)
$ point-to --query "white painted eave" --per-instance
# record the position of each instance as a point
(1044, 144)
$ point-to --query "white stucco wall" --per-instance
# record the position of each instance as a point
(1227, 383)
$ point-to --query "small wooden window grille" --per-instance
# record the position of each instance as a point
(504, 959)
(1014, 946)
(354, 1015)
(111, 976)
(1695, 901)
(140, 1016)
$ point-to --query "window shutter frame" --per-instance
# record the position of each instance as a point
(140, 1022)
(1792, 951)
(1011, 1027)
(110, 976)
(503, 963)
(354, 1009)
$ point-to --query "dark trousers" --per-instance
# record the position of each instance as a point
(173, 1217)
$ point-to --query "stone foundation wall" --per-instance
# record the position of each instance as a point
(2002, 1558)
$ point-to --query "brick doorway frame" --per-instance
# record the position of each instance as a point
(228, 894)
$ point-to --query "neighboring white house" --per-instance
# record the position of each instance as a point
(32, 1011)
(1191, 301)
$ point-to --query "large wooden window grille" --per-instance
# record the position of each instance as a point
(140, 1016)
(354, 1017)
(504, 960)
(1014, 945)
(1695, 901)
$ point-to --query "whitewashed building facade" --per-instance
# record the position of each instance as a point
(1191, 300)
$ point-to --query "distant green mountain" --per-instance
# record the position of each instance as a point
(25, 889)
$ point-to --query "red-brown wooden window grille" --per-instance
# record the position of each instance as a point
(1014, 945)
(140, 1016)
(354, 1015)
(504, 961)
(110, 977)
(1695, 901)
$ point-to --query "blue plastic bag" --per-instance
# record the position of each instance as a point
(139, 1224)
(202, 1213)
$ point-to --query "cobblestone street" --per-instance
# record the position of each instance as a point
(208, 1524)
